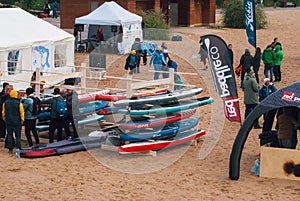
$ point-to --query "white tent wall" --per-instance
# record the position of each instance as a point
(130, 33)
(111, 14)
(21, 77)
(26, 33)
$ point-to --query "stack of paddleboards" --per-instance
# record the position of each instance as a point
(158, 121)
(113, 97)
(110, 113)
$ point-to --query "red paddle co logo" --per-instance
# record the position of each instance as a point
(290, 96)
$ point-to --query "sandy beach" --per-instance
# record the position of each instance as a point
(177, 173)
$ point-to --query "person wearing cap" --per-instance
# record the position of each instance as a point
(246, 61)
(2, 123)
(157, 59)
(30, 119)
(13, 115)
(251, 90)
(55, 121)
(138, 49)
(73, 114)
(267, 89)
(131, 61)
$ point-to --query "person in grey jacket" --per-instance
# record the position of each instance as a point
(30, 119)
(55, 121)
(251, 91)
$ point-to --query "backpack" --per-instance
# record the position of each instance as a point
(61, 108)
(37, 106)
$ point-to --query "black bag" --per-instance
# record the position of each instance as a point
(37, 106)
(269, 137)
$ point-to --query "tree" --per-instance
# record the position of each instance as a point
(233, 15)
(30, 4)
(155, 24)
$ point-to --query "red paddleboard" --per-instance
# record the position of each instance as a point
(156, 122)
(120, 96)
(38, 153)
(161, 144)
(91, 96)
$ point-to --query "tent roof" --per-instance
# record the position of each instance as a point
(21, 29)
(109, 13)
(285, 97)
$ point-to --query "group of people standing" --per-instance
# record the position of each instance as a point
(134, 58)
(287, 118)
(17, 111)
(272, 58)
(160, 59)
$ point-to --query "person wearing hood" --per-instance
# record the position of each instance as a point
(73, 114)
(131, 62)
(268, 59)
(277, 63)
(13, 115)
(246, 61)
(30, 118)
(55, 121)
(251, 90)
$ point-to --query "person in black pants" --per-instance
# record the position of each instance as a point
(13, 115)
(3, 97)
(256, 63)
(246, 61)
(30, 119)
(138, 49)
(73, 112)
(55, 121)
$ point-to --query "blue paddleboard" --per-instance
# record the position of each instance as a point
(161, 134)
(159, 99)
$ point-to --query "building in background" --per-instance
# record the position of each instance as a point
(178, 12)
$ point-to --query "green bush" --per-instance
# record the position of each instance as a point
(233, 15)
(155, 26)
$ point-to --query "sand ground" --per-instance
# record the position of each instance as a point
(178, 173)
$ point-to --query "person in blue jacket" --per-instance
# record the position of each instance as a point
(157, 59)
(177, 79)
(267, 89)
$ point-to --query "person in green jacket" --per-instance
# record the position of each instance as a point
(268, 59)
(251, 91)
(277, 63)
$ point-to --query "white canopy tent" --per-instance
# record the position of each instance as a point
(112, 14)
(27, 42)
